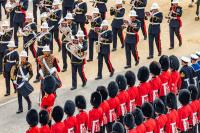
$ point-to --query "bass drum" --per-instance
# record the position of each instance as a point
(51, 83)
(25, 88)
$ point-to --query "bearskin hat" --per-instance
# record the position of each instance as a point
(80, 102)
(147, 110)
(49, 85)
(32, 117)
(112, 89)
(155, 68)
(130, 78)
(159, 106)
(57, 114)
(143, 74)
(193, 92)
(103, 91)
(174, 62)
(95, 99)
(121, 81)
(43, 117)
(164, 62)
(171, 100)
(184, 96)
(118, 127)
(129, 121)
(138, 115)
(69, 108)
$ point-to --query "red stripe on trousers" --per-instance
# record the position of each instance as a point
(83, 72)
(136, 51)
(159, 43)
(109, 63)
(145, 29)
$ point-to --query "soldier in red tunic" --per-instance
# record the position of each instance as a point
(118, 128)
(161, 118)
(129, 123)
(144, 86)
(32, 120)
(71, 121)
(155, 82)
(185, 111)
(44, 119)
(149, 123)
(172, 114)
(82, 116)
(123, 97)
(138, 115)
(132, 90)
(95, 114)
(57, 115)
(105, 106)
(194, 104)
(114, 104)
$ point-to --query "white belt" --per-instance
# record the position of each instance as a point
(173, 17)
(19, 12)
(154, 23)
(40, 46)
(79, 13)
(139, 7)
(119, 18)
(11, 61)
(131, 33)
(100, 2)
(104, 43)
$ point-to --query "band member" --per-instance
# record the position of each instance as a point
(19, 17)
(45, 5)
(54, 19)
(80, 9)
(22, 72)
(139, 7)
(29, 33)
(35, 9)
(118, 13)
(3, 3)
(195, 70)
(32, 120)
(11, 58)
(5, 37)
(156, 18)
(132, 39)
(197, 10)
(93, 34)
(175, 23)
(68, 29)
(105, 38)
(101, 5)
(78, 64)
(67, 6)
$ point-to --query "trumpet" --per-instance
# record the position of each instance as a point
(128, 23)
(42, 34)
(67, 32)
(151, 14)
(172, 11)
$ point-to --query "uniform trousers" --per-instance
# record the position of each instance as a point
(55, 35)
(156, 37)
(91, 47)
(20, 103)
(143, 26)
(65, 10)
(65, 52)
(1, 61)
(131, 48)
(119, 32)
(176, 31)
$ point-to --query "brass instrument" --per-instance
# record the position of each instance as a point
(133, 2)
(66, 31)
(128, 23)
(150, 14)
(77, 8)
(41, 34)
(10, 5)
(172, 11)
(13, 74)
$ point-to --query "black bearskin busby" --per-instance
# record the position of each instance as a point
(103, 91)
(32, 117)
(130, 78)
(129, 121)
(121, 82)
(118, 128)
(143, 74)
(95, 99)
(171, 101)
(147, 110)
(174, 62)
(164, 62)
(138, 115)
(69, 108)
(193, 92)
(57, 114)
(184, 96)
(155, 68)
(112, 89)
(80, 102)
(49, 84)
(159, 106)
(43, 117)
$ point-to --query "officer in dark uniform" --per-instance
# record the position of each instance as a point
(101, 5)
(197, 10)
(68, 28)
(139, 7)
(118, 13)
(35, 9)
(105, 39)
(45, 5)
(195, 70)
(78, 64)
(54, 19)
(5, 37)
(93, 35)
(19, 17)
(11, 58)
(67, 6)
(80, 9)
(23, 72)
(156, 18)
(3, 3)
(186, 73)
(132, 38)
(175, 23)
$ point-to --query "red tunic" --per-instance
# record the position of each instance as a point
(133, 94)
(141, 128)
(33, 130)
(172, 121)
(82, 122)
(150, 125)
(195, 111)
(95, 120)
(124, 103)
(58, 128)
(114, 107)
(106, 108)
(161, 121)
(175, 82)
(156, 85)
(143, 93)
(70, 124)
(132, 131)
(184, 113)
(45, 129)
(165, 78)
(48, 102)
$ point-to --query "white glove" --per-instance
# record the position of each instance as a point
(53, 70)
(41, 73)
(14, 82)
(25, 79)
